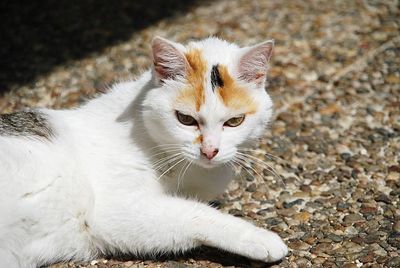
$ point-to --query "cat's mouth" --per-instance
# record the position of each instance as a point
(206, 163)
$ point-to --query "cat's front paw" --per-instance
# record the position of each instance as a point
(263, 245)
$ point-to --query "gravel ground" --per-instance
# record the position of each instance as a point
(335, 81)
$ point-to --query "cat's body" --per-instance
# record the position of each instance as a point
(96, 180)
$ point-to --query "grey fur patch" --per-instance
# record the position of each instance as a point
(25, 124)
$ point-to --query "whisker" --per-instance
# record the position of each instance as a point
(166, 152)
(164, 145)
(181, 177)
(255, 171)
(265, 165)
(258, 151)
(163, 158)
(166, 161)
(179, 161)
(233, 167)
(242, 166)
(165, 164)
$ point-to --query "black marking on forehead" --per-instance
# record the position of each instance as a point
(25, 124)
(216, 80)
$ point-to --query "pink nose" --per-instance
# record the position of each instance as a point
(209, 153)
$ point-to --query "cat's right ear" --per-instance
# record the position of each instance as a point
(253, 64)
(169, 61)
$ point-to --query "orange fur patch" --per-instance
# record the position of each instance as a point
(196, 77)
(234, 96)
(198, 140)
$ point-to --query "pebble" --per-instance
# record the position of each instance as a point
(302, 216)
(393, 262)
(396, 226)
(353, 218)
(299, 245)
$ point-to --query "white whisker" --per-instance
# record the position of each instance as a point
(170, 168)
(263, 164)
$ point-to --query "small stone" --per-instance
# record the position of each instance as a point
(322, 248)
(252, 187)
(368, 210)
(309, 239)
(394, 239)
(341, 206)
(236, 212)
(299, 245)
(293, 203)
(357, 239)
(273, 221)
(287, 212)
(393, 176)
(394, 169)
(311, 76)
(367, 258)
(302, 263)
(396, 226)
(350, 265)
(174, 264)
(352, 247)
(353, 218)
(345, 156)
(383, 198)
(259, 196)
(378, 250)
(393, 79)
(302, 216)
(393, 262)
(306, 188)
(334, 237)
(351, 230)
(371, 238)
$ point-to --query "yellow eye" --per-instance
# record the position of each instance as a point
(235, 121)
(186, 120)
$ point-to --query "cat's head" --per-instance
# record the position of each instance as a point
(210, 98)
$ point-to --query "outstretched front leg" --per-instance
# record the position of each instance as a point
(169, 224)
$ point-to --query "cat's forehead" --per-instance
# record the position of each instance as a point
(215, 50)
(211, 80)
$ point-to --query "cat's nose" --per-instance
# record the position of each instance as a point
(210, 153)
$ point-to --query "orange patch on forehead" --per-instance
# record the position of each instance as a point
(196, 77)
(234, 96)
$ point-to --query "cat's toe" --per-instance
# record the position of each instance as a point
(265, 246)
(277, 249)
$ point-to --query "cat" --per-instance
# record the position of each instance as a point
(131, 170)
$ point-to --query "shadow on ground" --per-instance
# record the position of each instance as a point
(38, 35)
(206, 254)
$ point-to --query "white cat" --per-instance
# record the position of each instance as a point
(123, 172)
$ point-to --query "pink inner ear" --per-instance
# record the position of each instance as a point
(253, 64)
(169, 62)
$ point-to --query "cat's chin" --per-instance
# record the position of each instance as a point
(208, 164)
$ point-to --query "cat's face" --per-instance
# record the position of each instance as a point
(210, 99)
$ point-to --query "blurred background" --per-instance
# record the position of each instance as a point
(334, 79)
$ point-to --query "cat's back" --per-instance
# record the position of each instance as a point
(27, 142)
(42, 182)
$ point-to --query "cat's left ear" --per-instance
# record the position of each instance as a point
(253, 63)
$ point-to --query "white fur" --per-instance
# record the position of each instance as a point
(93, 190)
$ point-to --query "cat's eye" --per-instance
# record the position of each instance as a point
(234, 121)
(185, 119)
